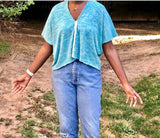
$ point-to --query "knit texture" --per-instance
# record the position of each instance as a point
(94, 27)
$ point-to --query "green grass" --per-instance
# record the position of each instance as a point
(132, 122)
(45, 121)
(4, 48)
(117, 119)
(7, 123)
(1, 120)
(19, 117)
(28, 131)
(154, 54)
(49, 96)
(8, 136)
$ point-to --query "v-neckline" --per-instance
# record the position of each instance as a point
(67, 5)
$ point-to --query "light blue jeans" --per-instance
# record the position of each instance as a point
(77, 89)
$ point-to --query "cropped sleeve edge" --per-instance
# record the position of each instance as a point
(110, 39)
(46, 39)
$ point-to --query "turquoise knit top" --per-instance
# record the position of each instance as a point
(80, 39)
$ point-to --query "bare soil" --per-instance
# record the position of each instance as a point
(139, 58)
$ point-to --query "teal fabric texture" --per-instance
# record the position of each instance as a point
(80, 39)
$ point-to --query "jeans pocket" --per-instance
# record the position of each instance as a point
(93, 70)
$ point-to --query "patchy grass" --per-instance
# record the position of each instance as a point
(117, 120)
(1, 119)
(123, 121)
(8, 123)
(8, 136)
(28, 131)
(154, 54)
(4, 48)
(39, 120)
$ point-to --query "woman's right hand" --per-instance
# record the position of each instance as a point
(20, 83)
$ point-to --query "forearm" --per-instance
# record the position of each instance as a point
(41, 57)
(114, 60)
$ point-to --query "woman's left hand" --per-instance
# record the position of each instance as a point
(132, 95)
(114, 60)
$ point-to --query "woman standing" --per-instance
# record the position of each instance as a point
(77, 32)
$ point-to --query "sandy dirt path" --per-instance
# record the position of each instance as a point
(139, 58)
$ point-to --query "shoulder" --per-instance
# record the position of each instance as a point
(97, 9)
(97, 6)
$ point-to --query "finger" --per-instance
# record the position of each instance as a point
(140, 99)
(21, 90)
(131, 102)
(127, 99)
(18, 89)
(14, 85)
(15, 88)
(135, 98)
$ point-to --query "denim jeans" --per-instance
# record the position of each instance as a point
(77, 90)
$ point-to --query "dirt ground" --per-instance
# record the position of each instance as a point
(138, 46)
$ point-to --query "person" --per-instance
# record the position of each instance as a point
(76, 33)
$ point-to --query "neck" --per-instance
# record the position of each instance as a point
(77, 2)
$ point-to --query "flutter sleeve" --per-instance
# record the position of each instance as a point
(108, 29)
(47, 32)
